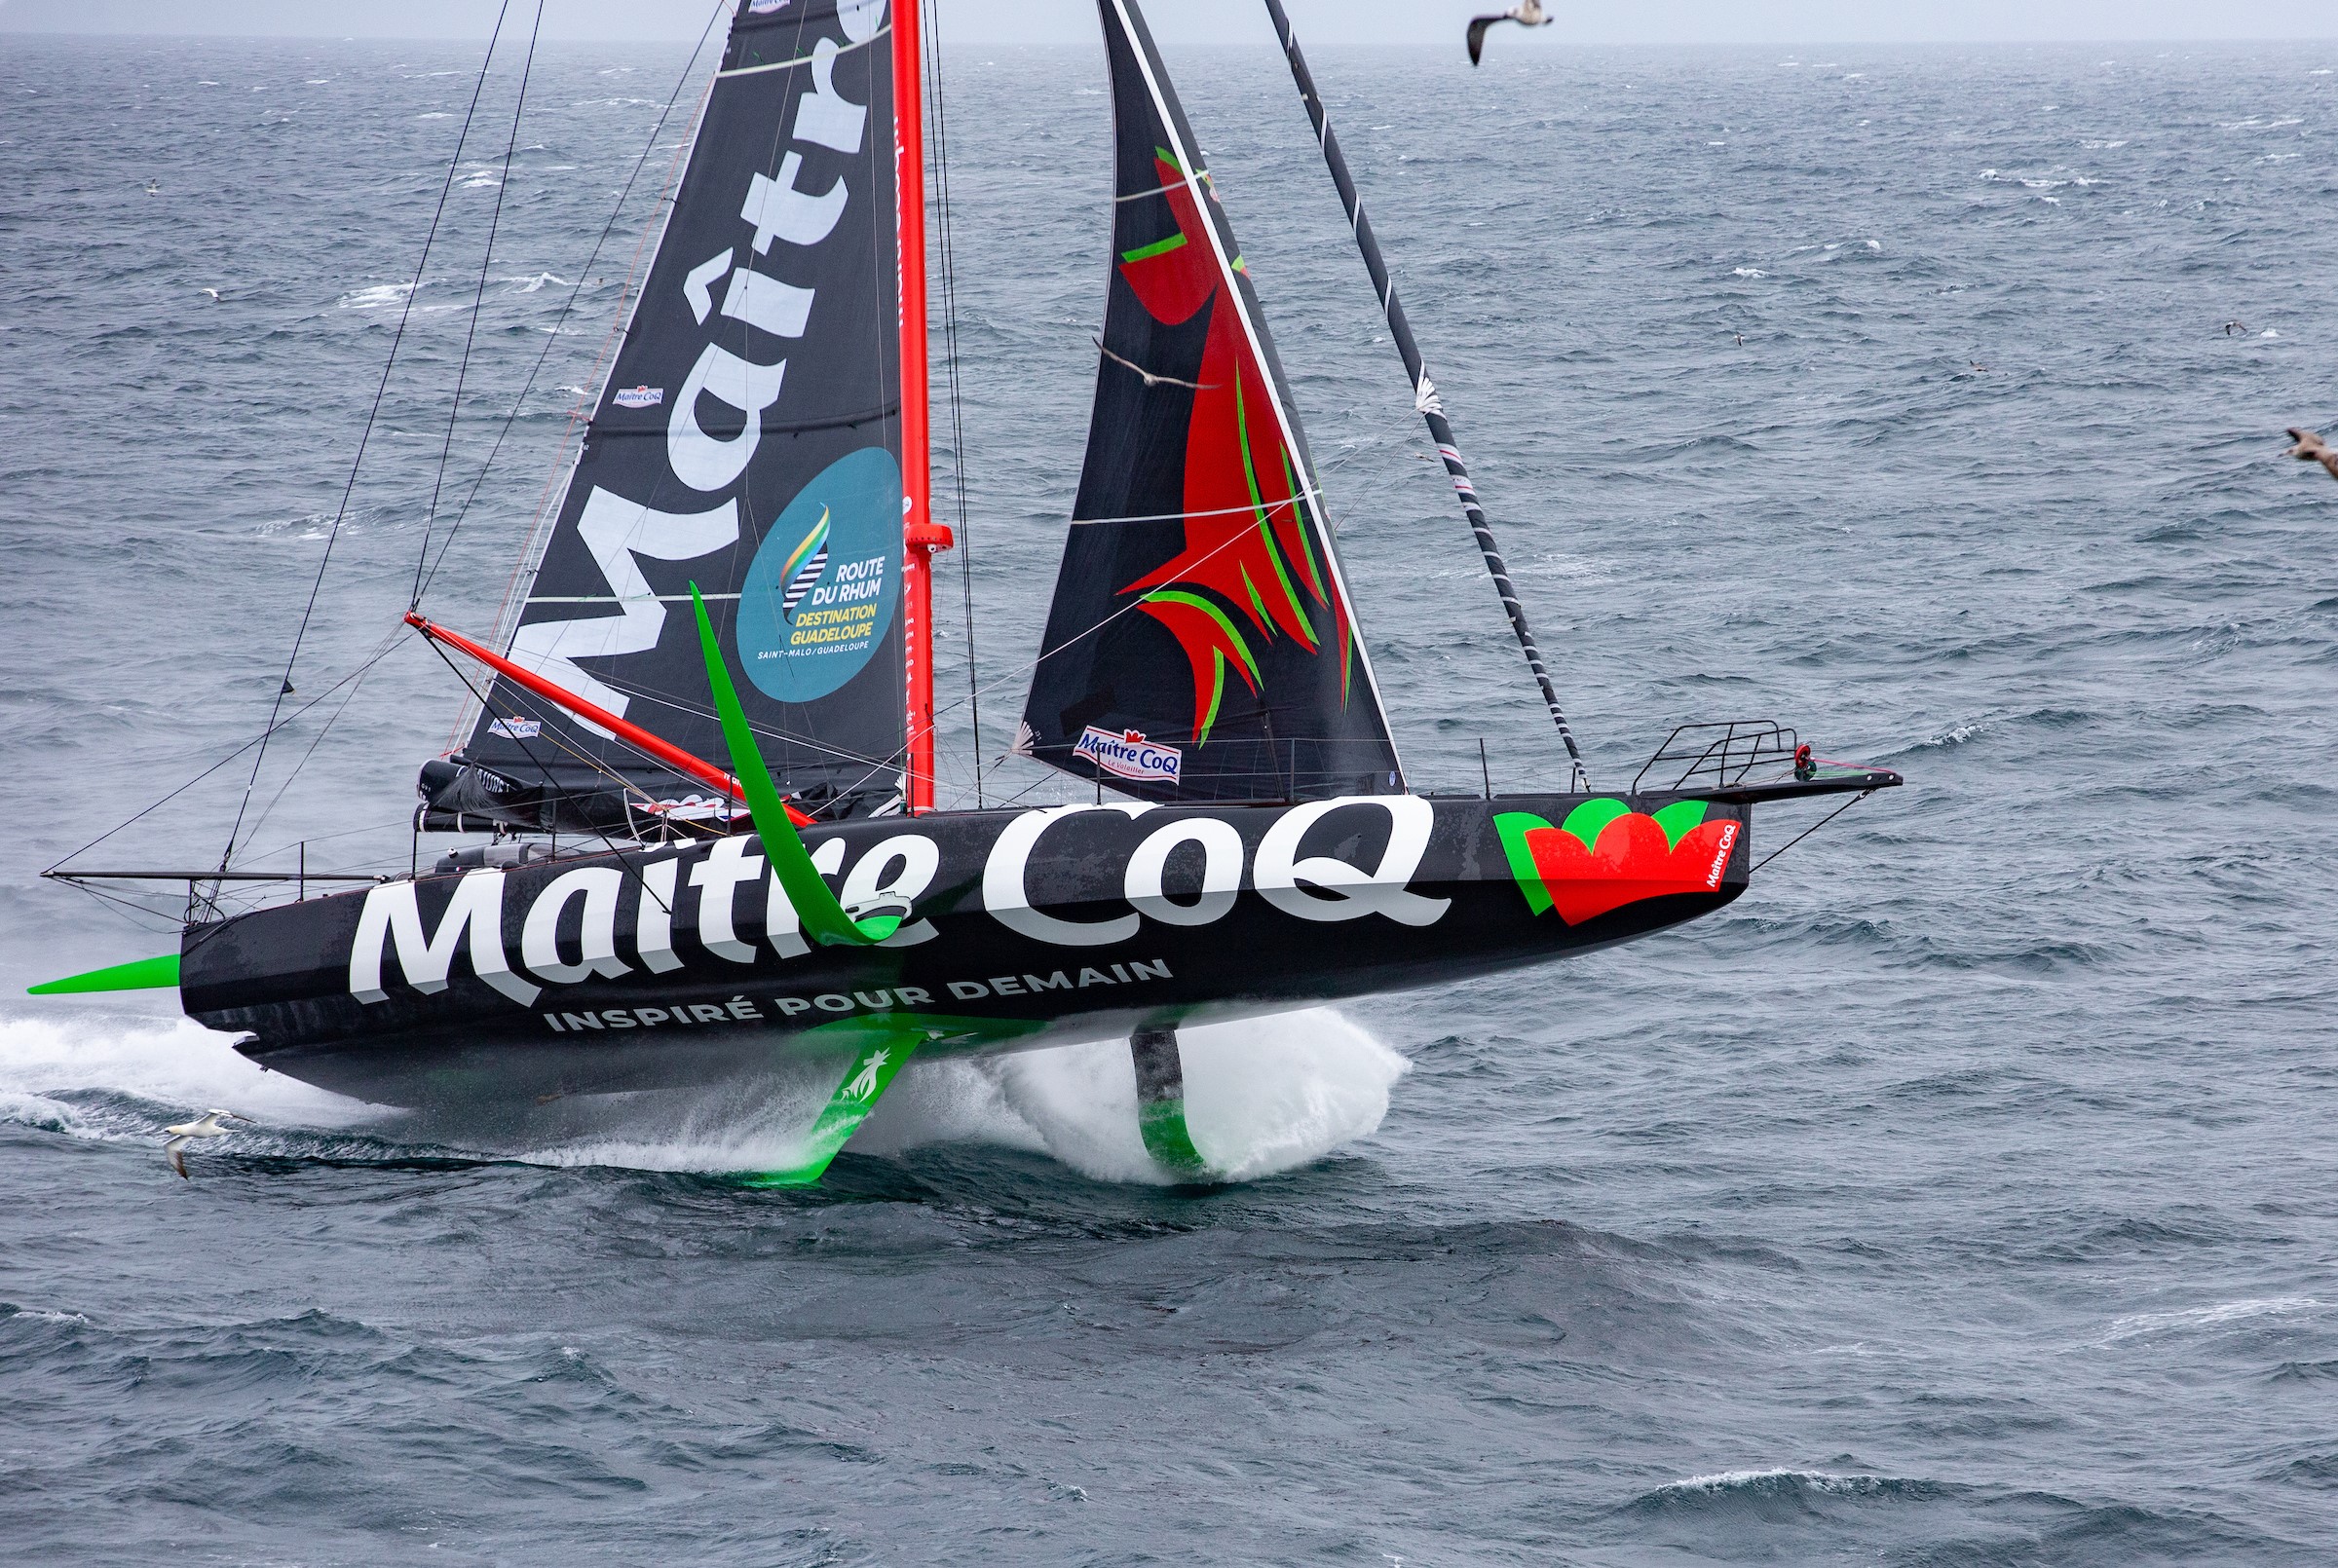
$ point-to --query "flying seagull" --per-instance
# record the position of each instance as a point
(1526, 13)
(186, 1133)
(2311, 448)
(1151, 380)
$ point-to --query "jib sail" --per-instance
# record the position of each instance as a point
(747, 440)
(1201, 645)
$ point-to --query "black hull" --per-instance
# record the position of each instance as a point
(1026, 929)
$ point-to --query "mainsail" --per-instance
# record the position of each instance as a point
(1201, 645)
(748, 440)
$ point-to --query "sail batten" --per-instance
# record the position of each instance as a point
(1204, 647)
(749, 438)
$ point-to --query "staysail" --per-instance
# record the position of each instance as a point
(747, 440)
(1201, 645)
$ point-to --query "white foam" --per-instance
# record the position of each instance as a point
(1748, 271)
(1262, 1097)
(1762, 1480)
(375, 297)
(2155, 1323)
(174, 1063)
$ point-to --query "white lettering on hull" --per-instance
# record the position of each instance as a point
(393, 916)
(539, 939)
(1353, 892)
(1003, 874)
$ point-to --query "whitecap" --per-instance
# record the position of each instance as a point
(2154, 1322)
(1746, 272)
(1742, 1480)
(375, 297)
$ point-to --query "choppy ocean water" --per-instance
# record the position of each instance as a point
(1961, 1195)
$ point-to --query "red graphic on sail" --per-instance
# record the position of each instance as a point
(1246, 531)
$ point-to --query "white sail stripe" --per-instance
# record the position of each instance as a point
(1258, 349)
(1146, 196)
(620, 599)
(806, 60)
(1313, 496)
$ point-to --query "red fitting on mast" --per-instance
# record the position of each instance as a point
(920, 535)
(632, 734)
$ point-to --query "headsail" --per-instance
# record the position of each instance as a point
(748, 439)
(1201, 645)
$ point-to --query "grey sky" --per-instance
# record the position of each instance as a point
(1187, 22)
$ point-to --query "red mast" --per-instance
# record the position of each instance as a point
(921, 533)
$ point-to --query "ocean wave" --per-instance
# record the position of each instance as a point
(2192, 1319)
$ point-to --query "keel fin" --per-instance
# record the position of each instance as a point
(822, 916)
(1162, 1103)
(871, 1071)
(144, 974)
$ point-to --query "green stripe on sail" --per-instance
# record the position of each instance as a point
(1159, 247)
(1225, 624)
(142, 974)
(817, 906)
(1257, 507)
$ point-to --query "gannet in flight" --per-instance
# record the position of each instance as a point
(1526, 13)
(2311, 448)
(186, 1133)
(1151, 379)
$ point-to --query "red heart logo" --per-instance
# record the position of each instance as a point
(1633, 861)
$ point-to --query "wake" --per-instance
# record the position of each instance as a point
(1262, 1096)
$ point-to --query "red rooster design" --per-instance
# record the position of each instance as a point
(1247, 534)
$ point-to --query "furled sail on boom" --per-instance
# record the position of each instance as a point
(747, 440)
(1201, 645)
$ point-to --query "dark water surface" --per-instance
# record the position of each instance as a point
(1964, 1194)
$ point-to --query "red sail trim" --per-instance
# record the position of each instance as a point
(1207, 634)
(1246, 519)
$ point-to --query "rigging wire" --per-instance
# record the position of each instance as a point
(1425, 400)
(940, 118)
(479, 301)
(332, 536)
(384, 650)
(569, 304)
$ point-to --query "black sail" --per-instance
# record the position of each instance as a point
(747, 440)
(1201, 645)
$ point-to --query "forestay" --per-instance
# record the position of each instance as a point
(747, 440)
(1201, 645)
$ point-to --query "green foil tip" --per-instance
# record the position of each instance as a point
(144, 974)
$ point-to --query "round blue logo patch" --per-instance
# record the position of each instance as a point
(819, 597)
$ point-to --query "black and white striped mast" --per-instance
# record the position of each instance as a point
(1424, 392)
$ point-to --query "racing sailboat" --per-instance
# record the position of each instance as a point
(705, 749)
